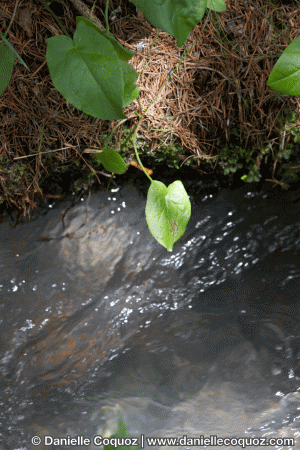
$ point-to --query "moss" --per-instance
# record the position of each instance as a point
(170, 155)
(286, 167)
(15, 174)
(234, 157)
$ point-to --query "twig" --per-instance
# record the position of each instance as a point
(12, 19)
(283, 185)
(85, 11)
(41, 153)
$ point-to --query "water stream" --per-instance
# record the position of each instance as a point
(98, 321)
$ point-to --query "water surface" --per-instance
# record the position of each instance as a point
(99, 321)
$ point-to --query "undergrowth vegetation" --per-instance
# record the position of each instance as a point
(91, 71)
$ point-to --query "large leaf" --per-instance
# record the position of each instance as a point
(111, 160)
(168, 211)
(123, 53)
(130, 75)
(285, 76)
(176, 17)
(6, 66)
(88, 72)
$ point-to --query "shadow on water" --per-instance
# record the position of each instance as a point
(99, 321)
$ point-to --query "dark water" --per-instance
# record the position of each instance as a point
(99, 321)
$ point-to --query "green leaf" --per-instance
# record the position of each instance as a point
(120, 433)
(6, 66)
(111, 160)
(131, 90)
(216, 5)
(285, 76)
(89, 74)
(253, 175)
(123, 53)
(176, 17)
(168, 211)
(14, 51)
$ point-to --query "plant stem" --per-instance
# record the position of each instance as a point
(12, 19)
(137, 155)
(91, 14)
(56, 18)
(106, 15)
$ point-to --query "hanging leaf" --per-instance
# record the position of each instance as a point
(168, 211)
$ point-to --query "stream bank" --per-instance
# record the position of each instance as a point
(216, 114)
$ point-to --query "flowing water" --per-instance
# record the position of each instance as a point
(98, 321)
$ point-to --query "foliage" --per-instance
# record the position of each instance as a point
(285, 77)
(253, 175)
(111, 160)
(92, 72)
(287, 123)
(169, 154)
(15, 174)
(176, 18)
(168, 211)
(288, 153)
(7, 54)
(235, 157)
(120, 433)
(6, 62)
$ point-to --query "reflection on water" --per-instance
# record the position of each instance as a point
(98, 320)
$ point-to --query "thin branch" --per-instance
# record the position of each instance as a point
(86, 12)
